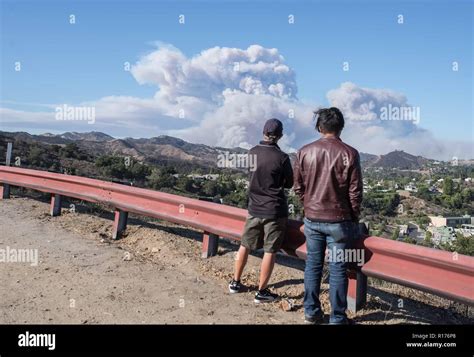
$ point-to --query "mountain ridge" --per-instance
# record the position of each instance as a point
(172, 148)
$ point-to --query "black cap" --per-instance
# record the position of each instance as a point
(273, 127)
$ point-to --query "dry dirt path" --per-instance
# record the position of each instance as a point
(154, 275)
(79, 280)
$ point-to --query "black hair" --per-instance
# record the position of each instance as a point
(329, 120)
(272, 138)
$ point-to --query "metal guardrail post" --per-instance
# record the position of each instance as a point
(4, 191)
(120, 223)
(55, 208)
(357, 291)
(357, 287)
(210, 242)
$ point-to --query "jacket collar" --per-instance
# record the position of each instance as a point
(332, 138)
(269, 143)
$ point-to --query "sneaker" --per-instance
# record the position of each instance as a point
(313, 320)
(343, 322)
(235, 286)
(265, 295)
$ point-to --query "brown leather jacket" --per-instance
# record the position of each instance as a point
(328, 180)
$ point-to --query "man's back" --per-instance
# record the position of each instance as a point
(273, 173)
(266, 223)
(328, 180)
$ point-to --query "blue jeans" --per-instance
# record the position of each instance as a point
(337, 237)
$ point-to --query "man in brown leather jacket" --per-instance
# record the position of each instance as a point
(328, 180)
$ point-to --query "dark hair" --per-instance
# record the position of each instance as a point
(271, 138)
(329, 120)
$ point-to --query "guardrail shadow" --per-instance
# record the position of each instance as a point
(387, 307)
(226, 245)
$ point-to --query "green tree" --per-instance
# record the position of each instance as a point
(464, 245)
(122, 168)
(422, 220)
(395, 233)
(34, 156)
(161, 179)
(448, 186)
(467, 195)
(185, 184)
(237, 198)
(226, 186)
(137, 171)
(423, 192)
(456, 201)
(209, 188)
(427, 241)
(153, 179)
(70, 150)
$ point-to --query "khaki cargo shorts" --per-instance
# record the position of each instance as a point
(268, 233)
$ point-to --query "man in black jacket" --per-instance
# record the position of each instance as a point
(268, 208)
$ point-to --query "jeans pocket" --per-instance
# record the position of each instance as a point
(342, 232)
(356, 234)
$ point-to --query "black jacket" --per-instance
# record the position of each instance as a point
(272, 174)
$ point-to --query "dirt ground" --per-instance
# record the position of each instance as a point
(155, 275)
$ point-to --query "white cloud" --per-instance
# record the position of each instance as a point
(256, 70)
(222, 96)
(366, 131)
(363, 103)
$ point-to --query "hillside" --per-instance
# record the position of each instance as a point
(400, 160)
(153, 150)
(170, 149)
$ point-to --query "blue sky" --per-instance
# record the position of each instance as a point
(64, 63)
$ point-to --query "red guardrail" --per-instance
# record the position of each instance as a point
(435, 271)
